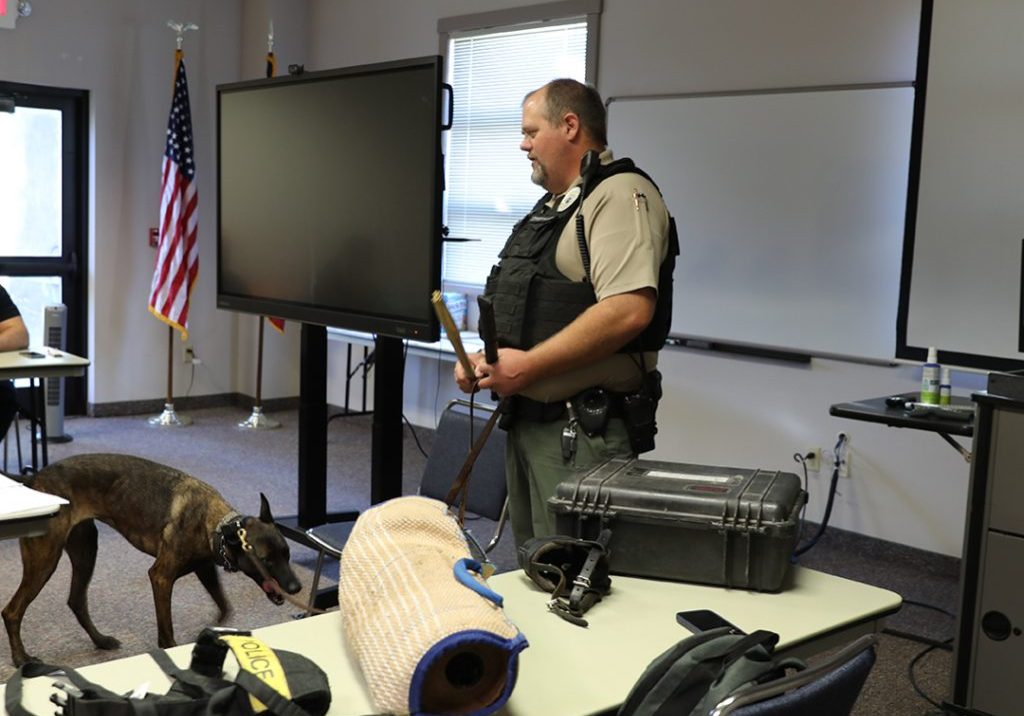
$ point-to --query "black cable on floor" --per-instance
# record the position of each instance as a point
(348, 414)
(925, 605)
(913, 681)
(414, 436)
(949, 709)
(945, 645)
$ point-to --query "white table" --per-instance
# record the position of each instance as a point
(24, 526)
(569, 669)
(36, 364)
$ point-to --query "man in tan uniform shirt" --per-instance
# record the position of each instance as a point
(626, 226)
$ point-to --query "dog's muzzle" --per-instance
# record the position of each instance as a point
(273, 590)
(273, 587)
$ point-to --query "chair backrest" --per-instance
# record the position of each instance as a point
(452, 442)
(831, 687)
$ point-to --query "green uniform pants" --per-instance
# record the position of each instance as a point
(534, 467)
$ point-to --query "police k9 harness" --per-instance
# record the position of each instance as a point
(268, 682)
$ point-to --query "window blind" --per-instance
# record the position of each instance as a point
(487, 176)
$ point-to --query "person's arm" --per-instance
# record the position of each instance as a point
(13, 334)
(596, 333)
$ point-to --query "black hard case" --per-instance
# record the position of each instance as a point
(726, 526)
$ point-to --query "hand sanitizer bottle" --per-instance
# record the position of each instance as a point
(930, 378)
(945, 388)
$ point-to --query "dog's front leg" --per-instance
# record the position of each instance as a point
(209, 578)
(162, 576)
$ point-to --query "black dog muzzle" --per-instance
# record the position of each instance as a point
(574, 571)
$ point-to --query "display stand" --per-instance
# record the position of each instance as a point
(386, 449)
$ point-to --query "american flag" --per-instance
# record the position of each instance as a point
(177, 262)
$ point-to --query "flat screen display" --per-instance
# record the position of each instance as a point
(329, 197)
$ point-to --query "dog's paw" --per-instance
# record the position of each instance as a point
(107, 643)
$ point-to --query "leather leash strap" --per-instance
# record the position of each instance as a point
(581, 587)
(460, 487)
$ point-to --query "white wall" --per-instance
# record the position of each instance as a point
(906, 486)
(122, 52)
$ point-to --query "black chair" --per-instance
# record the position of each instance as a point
(486, 497)
(831, 687)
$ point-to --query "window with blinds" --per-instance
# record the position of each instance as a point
(487, 176)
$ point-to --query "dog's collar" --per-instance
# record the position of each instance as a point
(226, 532)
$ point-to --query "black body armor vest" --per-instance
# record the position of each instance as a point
(533, 300)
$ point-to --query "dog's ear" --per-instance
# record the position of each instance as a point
(265, 515)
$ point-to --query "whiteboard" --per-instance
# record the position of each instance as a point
(790, 207)
(965, 288)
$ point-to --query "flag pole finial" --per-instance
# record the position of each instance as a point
(181, 28)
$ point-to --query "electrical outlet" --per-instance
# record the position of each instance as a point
(189, 355)
(828, 460)
(812, 459)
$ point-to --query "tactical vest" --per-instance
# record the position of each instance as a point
(533, 300)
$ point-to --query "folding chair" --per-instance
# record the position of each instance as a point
(831, 687)
(453, 438)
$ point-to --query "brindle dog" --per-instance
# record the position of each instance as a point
(181, 521)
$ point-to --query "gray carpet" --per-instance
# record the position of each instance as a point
(241, 464)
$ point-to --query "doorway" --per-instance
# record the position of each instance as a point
(43, 185)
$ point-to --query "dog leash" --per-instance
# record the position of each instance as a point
(459, 491)
(247, 547)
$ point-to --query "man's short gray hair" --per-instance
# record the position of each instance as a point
(567, 95)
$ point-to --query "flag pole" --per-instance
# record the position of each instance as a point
(169, 418)
(257, 420)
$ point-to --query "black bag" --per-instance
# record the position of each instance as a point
(199, 690)
(696, 674)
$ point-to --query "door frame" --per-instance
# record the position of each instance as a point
(72, 267)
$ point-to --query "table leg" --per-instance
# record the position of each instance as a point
(38, 424)
(32, 422)
(41, 402)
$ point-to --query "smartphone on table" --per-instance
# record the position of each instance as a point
(698, 620)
